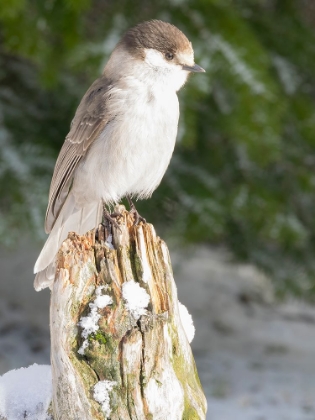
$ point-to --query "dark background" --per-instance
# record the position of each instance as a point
(242, 174)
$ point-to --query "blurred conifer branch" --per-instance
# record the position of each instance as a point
(243, 171)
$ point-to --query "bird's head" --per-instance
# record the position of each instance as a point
(156, 51)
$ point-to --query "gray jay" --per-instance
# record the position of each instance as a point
(122, 135)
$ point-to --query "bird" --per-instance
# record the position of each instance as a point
(122, 136)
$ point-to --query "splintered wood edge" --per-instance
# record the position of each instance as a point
(78, 276)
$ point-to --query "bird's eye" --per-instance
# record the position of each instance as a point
(169, 56)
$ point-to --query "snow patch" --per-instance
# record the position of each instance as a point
(89, 323)
(136, 297)
(187, 322)
(26, 393)
(101, 395)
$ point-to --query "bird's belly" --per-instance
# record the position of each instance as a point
(130, 156)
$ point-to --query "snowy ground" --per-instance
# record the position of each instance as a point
(255, 357)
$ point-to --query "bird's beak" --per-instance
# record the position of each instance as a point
(195, 68)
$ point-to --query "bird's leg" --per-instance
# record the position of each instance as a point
(104, 230)
(110, 218)
(133, 210)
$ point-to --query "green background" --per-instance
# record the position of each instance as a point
(243, 172)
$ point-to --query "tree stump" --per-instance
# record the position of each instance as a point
(118, 347)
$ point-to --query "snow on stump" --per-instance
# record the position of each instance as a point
(118, 347)
(25, 393)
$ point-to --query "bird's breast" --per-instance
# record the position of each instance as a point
(132, 153)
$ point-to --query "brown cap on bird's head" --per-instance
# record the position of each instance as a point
(160, 36)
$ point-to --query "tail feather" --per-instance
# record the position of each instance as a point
(45, 278)
(71, 219)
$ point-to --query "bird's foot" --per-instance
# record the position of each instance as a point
(105, 229)
(137, 217)
(116, 215)
(134, 211)
(111, 219)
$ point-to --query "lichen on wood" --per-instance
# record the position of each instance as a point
(145, 358)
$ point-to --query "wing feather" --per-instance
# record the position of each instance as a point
(89, 121)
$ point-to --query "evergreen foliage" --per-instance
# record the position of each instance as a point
(243, 169)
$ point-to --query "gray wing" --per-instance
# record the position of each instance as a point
(89, 120)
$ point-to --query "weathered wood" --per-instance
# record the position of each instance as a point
(135, 361)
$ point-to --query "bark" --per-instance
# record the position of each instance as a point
(146, 359)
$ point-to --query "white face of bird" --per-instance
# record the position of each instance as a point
(169, 67)
(157, 53)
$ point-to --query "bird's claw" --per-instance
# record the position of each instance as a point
(110, 219)
(134, 211)
(137, 217)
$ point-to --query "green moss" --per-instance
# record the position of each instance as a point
(135, 262)
(98, 336)
(87, 374)
(180, 368)
(159, 383)
(189, 412)
(187, 375)
(138, 268)
(103, 358)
